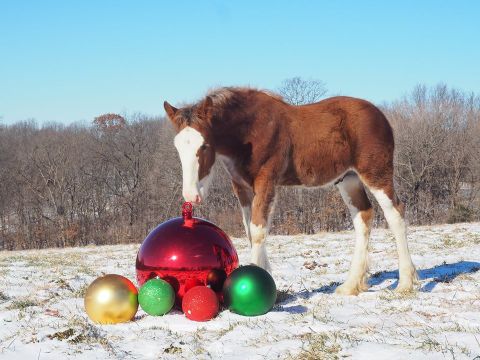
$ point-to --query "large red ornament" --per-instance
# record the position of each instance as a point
(185, 249)
(200, 303)
(190, 283)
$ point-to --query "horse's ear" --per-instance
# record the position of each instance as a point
(206, 109)
(170, 110)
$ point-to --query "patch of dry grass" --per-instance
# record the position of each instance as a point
(80, 292)
(473, 237)
(22, 304)
(173, 350)
(81, 331)
(319, 346)
(390, 295)
(284, 295)
(4, 297)
(87, 270)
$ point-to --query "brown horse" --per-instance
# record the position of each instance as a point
(264, 142)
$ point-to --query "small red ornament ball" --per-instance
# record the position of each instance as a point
(200, 303)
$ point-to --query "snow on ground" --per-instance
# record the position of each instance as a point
(42, 316)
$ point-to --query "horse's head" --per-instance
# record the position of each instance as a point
(195, 146)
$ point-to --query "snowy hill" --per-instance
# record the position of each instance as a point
(42, 316)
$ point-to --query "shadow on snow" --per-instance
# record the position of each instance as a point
(444, 273)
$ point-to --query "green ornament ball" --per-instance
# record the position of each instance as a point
(156, 297)
(250, 291)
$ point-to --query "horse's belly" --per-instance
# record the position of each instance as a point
(322, 173)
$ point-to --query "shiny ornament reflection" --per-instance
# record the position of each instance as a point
(215, 279)
(185, 248)
(111, 299)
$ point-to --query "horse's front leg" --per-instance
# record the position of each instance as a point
(262, 207)
(245, 197)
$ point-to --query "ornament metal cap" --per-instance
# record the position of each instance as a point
(187, 213)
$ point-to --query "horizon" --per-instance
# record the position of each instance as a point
(128, 58)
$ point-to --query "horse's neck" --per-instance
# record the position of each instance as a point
(230, 132)
(233, 147)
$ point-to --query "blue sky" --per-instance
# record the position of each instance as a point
(69, 61)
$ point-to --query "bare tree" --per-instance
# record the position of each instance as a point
(298, 91)
(437, 152)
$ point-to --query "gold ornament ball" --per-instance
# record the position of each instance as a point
(111, 299)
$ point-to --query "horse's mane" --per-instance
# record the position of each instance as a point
(221, 96)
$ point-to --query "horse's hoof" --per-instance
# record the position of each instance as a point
(347, 289)
(405, 288)
(408, 280)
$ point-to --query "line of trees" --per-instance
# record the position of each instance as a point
(113, 181)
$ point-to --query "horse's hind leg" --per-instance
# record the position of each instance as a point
(393, 210)
(354, 196)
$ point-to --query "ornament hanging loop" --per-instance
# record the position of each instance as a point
(187, 210)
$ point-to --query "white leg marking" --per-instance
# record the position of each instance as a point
(397, 225)
(357, 276)
(247, 217)
(259, 251)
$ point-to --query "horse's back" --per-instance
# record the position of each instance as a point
(337, 134)
(356, 119)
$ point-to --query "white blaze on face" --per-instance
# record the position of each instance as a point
(187, 142)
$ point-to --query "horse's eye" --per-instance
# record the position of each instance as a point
(203, 147)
